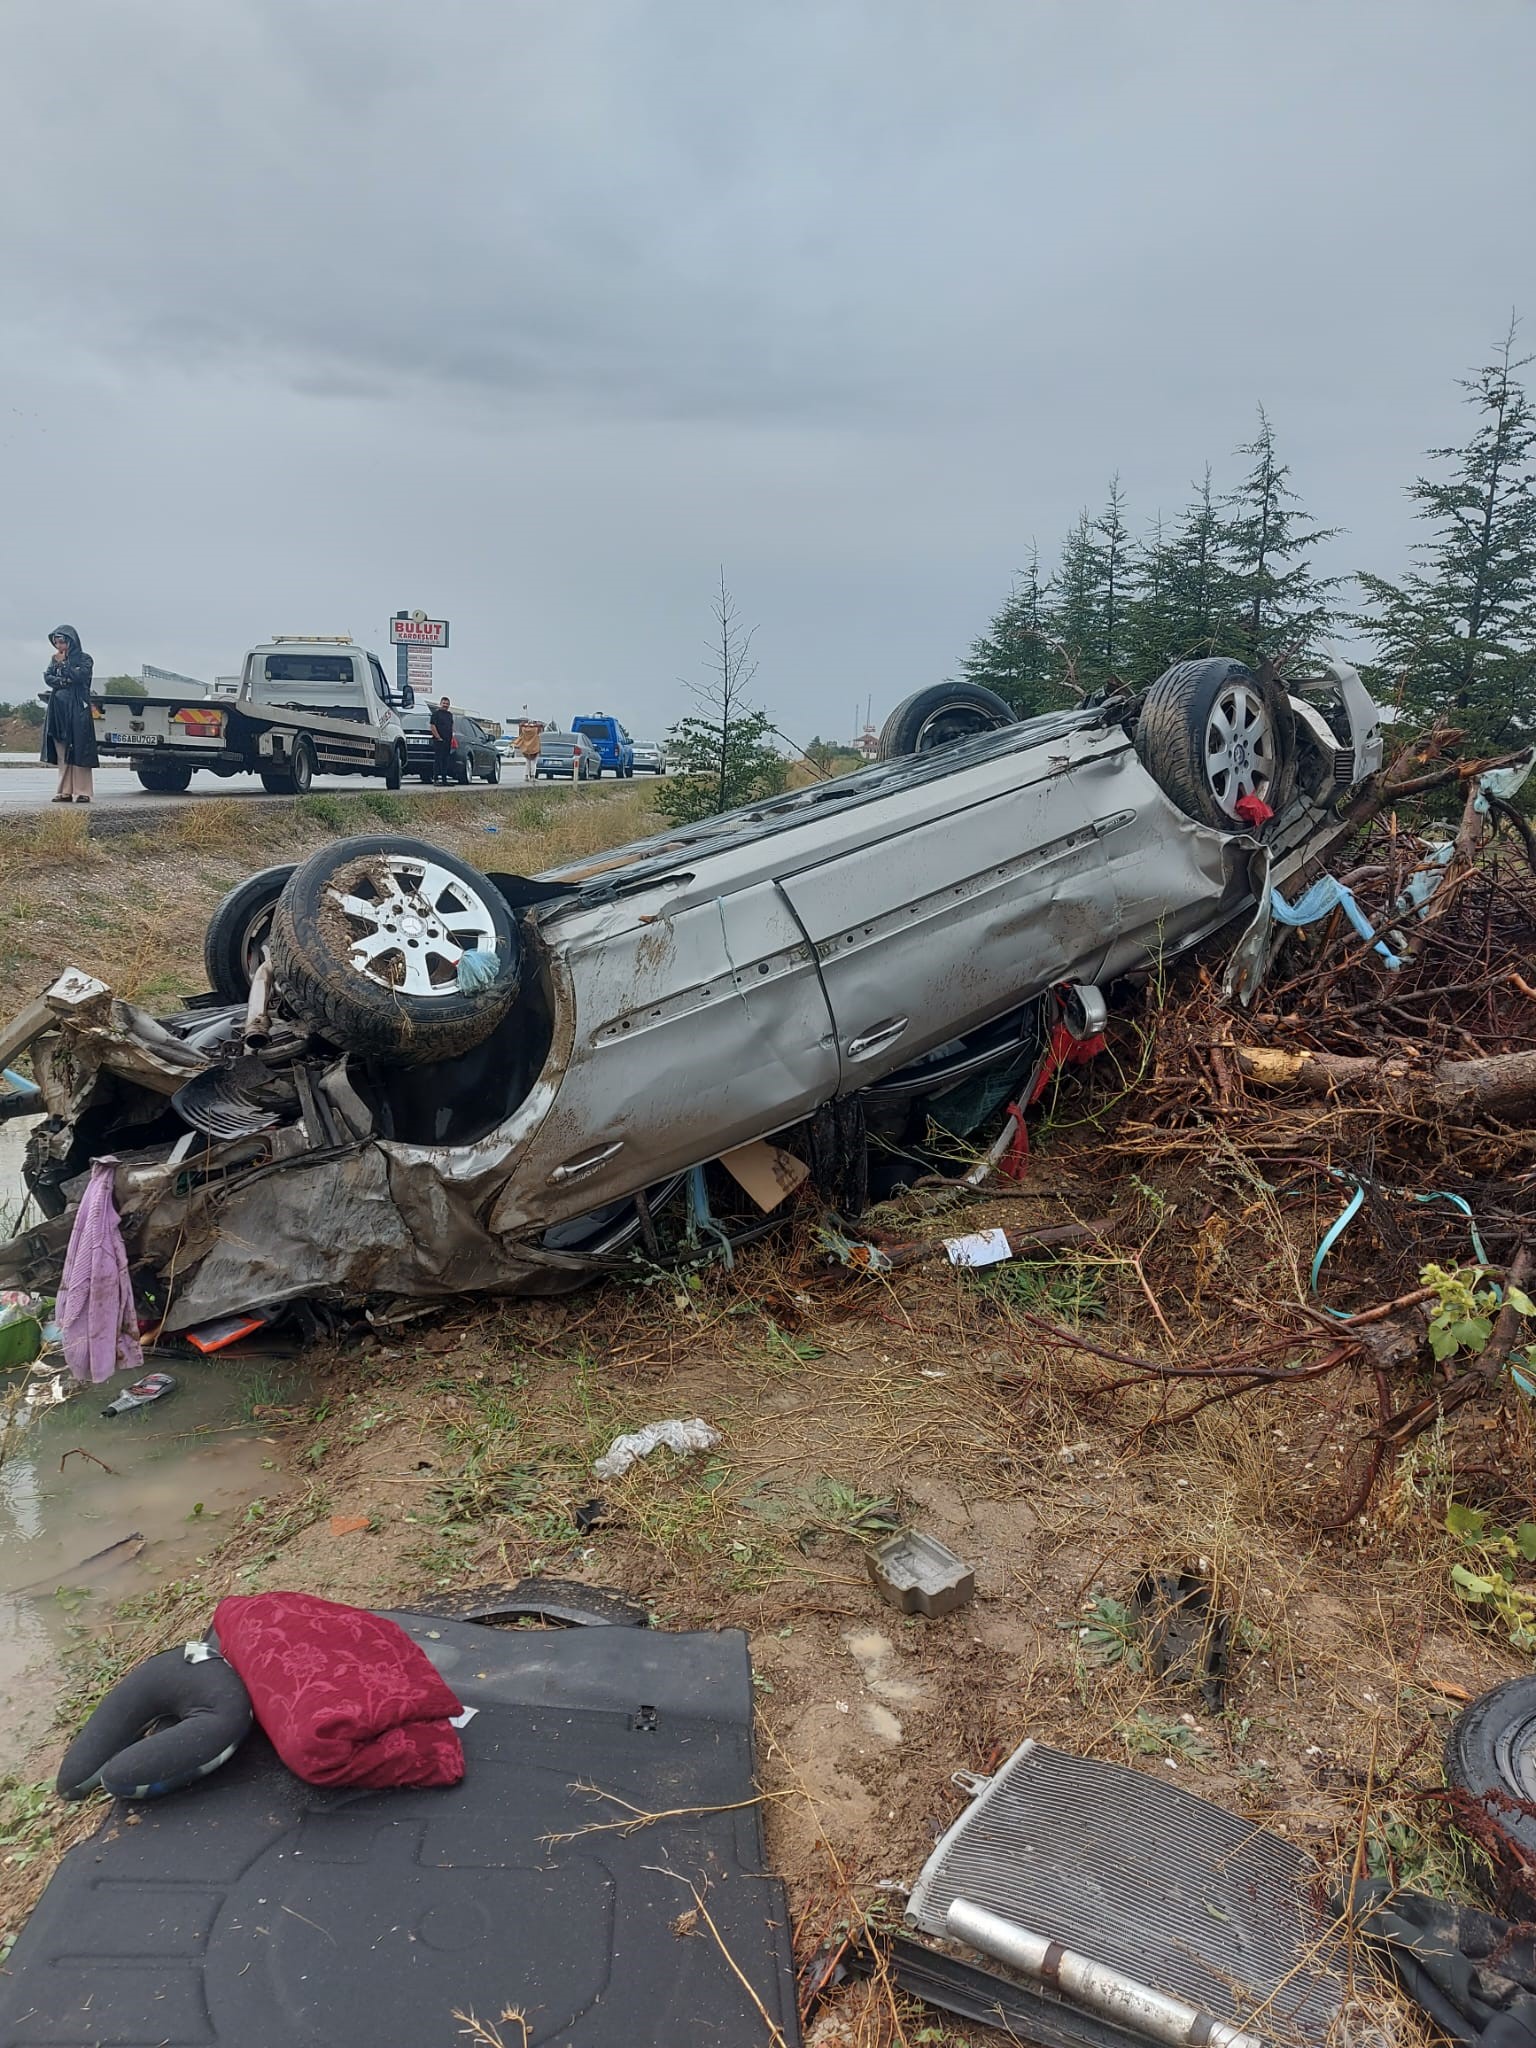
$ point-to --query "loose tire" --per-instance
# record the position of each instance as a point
(365, 944)
(165, 779)
(942, 713)
(1212, 732)
(1490, 1754)
(238, 930)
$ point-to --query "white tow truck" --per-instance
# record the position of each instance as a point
(306, 705)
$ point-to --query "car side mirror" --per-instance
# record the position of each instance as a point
(407, 697)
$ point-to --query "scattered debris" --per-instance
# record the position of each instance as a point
(348, 1525)
(1112, 1993)
(981, 1248)
(218, 1336)
(123, 1551)
(919, 1575)
(153, 1387)
(1019, 2011)
(1189, 1640)
(683, 1437)
(1472, 1974)
(1052, 1833)
(767, 1172)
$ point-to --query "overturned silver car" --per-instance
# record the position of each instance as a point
(413, 1079)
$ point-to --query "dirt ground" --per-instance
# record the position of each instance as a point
(849, 1400)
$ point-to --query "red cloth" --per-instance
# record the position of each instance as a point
(1253, 810)
(345, 1697)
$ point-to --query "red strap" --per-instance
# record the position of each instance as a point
(1064, 1051)
(1016, 1158)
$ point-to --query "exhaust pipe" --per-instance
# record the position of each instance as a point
(1119, 1998)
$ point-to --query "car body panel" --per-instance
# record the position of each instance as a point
(719, 983)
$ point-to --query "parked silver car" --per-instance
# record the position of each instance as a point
(570, 754)
(415, 1079)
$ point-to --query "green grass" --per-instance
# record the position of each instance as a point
(1065, 1291)
(1145, 1735)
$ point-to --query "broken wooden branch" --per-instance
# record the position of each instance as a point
(1499, 1082)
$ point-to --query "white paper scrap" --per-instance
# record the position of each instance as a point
(981, 1248)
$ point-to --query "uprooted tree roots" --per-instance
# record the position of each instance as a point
(1350, 1162)
(1394, 1103)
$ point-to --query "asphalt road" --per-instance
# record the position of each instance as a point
(28, 786)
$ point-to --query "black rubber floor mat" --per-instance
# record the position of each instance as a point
(255, 1910)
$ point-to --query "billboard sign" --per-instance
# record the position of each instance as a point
(415, 629)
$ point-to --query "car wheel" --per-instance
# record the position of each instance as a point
(493, 773)
(394, 774)
(167, 780)
(942, 713)
(1212, 732)
(301, 769)
(237, 932)
(1491, 1755)
(366, 943)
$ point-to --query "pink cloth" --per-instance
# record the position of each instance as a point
(95, 1308)
(344, 1697)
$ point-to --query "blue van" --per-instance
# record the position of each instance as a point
(615, 748)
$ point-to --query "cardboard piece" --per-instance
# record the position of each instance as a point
(767, 1172)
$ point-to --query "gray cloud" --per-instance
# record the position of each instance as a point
(535, 314)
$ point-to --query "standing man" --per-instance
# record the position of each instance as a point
(442, 740)
(528, 731)
(69, 735)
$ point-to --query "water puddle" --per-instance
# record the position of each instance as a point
(75, 1539)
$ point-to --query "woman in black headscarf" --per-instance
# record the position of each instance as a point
(69, 735)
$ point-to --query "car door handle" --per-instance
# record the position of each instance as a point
(585, 1162)
(878, 1039)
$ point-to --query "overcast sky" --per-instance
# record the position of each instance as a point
(531, 313)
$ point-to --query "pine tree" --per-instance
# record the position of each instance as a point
(1149, 611)
(1014, 657)
(1280, 605)
(1201, 602)
(1459, 632)
(1114, 541)
(1182, 604)
(1077, 612)
(724, 755)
